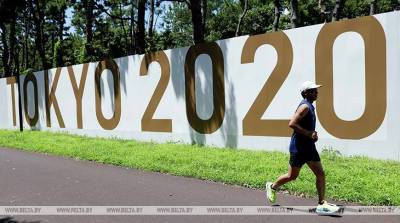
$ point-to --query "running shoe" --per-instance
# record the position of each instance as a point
(271, 193)
(327, 209)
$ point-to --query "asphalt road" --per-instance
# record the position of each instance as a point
(31, 179)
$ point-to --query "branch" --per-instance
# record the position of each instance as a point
(158, 3)
(102, 9)
(277, 15)
(241, 18)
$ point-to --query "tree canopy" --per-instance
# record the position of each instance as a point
(38, 34)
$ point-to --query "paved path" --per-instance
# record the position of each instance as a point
(43, 180)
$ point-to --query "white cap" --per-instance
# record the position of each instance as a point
(309, 85)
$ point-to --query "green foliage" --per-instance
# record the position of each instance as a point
(115, 22)
(57, 55)
(259, 19)
(356, 8)
(27, 71)
(178, 25)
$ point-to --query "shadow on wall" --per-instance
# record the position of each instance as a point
(110, 82)
(229, 127)
(11, 220)
(177, 62)
(114, 88)
(41, 99)
(123, 64)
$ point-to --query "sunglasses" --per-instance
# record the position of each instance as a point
(314, 90)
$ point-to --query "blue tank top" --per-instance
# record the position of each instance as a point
(299, 142)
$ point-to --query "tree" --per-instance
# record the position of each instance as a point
(88, 6)
(8, 17)
(198, 9)
(295, 19)
(178, 25)
(37, 11)
(151, 19)
(55, 11)
(121, 18)
(140, 32)
(244, 3)
(372, 7)
(277, 14)
(337, 11)
(35, 36)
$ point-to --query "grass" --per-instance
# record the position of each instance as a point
(354, 179)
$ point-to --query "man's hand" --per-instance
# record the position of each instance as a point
(294, 123)
(314, 136)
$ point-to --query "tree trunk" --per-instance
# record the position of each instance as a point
(61, 22)
(322, 9)
(372, 7)
(89, 7)
(204, 14)
(295, 19)
(337, 11)
(132, 31)
(8, 40)
(53, 41)
(126, 35)
(197, 21)
(26, 48)
(38, 19)
(139, 37)
(6, 50)
(12, 40)
(245, 2)
(277, 15)
(151, 19)
(17, 63)
(60, 34)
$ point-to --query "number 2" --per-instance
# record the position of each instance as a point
(252, 122)
(148, 123)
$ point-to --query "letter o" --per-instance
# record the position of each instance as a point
(215, 121)
(31, 78)
(375, 77)
(108, 124)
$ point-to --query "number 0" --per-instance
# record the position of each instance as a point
(375, 78)
(212, 124)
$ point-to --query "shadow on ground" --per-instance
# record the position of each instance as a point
(12, 220)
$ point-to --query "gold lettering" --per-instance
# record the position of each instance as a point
(212, 124)
(78, 91)
(148, 123)
(375, 77)
(111, 123)
(11, 81)
(51, 98)
(252, 122)
(31, 78)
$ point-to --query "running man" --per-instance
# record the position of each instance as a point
(302, 150)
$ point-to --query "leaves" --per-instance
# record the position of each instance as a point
(73, 32)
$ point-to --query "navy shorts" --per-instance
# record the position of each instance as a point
(298, 159)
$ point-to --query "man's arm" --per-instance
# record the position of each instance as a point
(294, 123)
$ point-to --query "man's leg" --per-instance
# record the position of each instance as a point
(293, 173)
(271, 188)
(323, 208)
(317, 169)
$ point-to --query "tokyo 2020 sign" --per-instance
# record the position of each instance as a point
(238, 92)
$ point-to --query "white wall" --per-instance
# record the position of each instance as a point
(243, 82)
